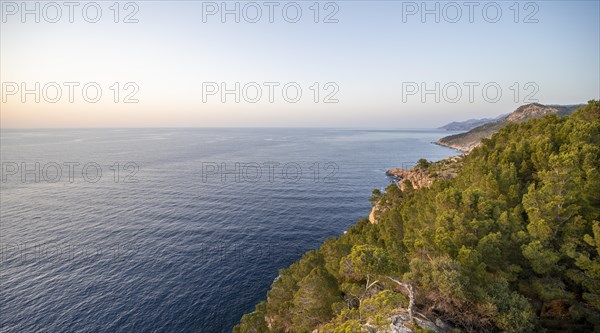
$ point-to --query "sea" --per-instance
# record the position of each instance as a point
(175, 230)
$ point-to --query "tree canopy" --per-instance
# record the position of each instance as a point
(512, 243)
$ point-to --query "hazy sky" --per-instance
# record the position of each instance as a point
(370, 59)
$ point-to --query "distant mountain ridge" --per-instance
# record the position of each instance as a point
(468, 124)
(471, 139)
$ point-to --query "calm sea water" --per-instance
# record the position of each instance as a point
(159, 230)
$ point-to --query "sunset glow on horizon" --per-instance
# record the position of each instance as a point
(357, 66)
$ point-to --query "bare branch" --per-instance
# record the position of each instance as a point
(411, 297)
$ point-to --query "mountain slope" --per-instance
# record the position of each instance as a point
(469, 124)
(510, 244)
(465, 125)
(469, 140)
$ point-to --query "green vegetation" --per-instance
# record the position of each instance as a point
(512, 243)
(423, 163)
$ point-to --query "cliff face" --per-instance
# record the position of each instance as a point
(471, 139)
(417, 177)
(374, 213)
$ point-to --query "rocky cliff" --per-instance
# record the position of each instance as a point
(416, 177)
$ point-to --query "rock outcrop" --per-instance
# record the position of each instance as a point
(374, 213)
(417, 177)
(401, 324)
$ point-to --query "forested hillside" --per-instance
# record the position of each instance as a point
(471, 139)
(512, 243)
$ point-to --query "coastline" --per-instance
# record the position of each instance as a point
(418, 176)
(461, 149)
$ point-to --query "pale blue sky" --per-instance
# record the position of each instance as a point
(368, 54)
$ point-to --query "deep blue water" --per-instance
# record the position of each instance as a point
(173, 248)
